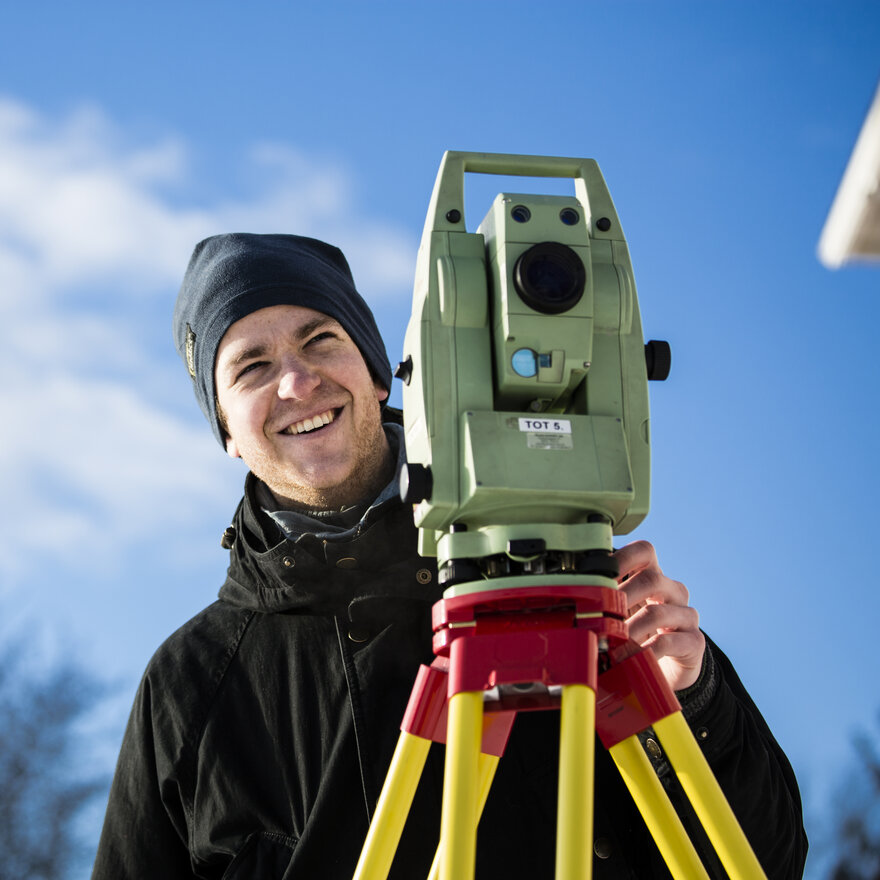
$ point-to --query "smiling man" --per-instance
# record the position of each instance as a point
(297, 402)
(263, 728)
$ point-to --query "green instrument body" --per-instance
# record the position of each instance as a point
(527, 405)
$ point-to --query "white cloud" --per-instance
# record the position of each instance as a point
(81, 208)
(81, 205)
(317, 200)
(92, 239)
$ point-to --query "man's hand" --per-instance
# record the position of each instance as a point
(659, 616)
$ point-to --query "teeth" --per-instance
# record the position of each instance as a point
(310, 424)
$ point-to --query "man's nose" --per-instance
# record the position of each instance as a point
(297, 379)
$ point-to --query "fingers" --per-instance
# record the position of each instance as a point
(659, 616)
(680, 655)
(635, 556)
(656, 619)
(686, 648)
(643, 581)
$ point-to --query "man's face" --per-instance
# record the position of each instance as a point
(301, 408)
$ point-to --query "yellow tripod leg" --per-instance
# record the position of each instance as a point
(708, 800)
(488, 764)
(393, 807)
(458, 820)
(576, 765)
(669, 834)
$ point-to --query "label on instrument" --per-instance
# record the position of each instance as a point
(547, 433)
(546, 426)
(549, 441)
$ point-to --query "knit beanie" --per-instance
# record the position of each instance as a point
(230, 276)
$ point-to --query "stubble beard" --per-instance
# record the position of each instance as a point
(371, 471)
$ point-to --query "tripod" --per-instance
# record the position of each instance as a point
(531, 644)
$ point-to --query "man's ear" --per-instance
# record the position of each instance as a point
(381, 391)
(231, 446)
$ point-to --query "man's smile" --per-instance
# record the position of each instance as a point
(311, 424)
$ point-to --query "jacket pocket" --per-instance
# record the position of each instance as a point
(265, 855)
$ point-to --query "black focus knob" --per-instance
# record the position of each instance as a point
(416, 483)
(658, 359)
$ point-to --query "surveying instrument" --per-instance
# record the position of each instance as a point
(526, 423)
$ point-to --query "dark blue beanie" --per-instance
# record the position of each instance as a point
(230, 276)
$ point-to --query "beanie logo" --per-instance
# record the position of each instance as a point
(191, 351)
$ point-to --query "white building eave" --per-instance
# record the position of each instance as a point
(852, 230)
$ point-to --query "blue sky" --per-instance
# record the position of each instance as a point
(129, 133)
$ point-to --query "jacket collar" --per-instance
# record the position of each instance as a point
(271, 573)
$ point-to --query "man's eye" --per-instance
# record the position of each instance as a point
(250, 368)
(326, 334)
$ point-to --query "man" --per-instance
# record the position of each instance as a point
(262, 730)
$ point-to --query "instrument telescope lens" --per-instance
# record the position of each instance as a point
(549, 277)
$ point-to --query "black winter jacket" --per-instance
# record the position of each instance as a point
(263, 728)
